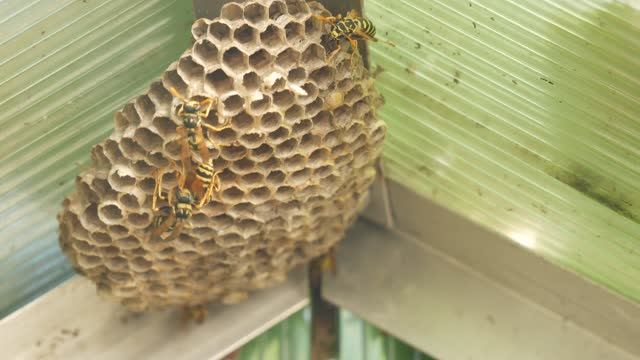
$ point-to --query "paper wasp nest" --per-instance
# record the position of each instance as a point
(296, 163)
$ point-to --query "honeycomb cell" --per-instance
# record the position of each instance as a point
(323, 76)
(302, 127)
(255, 13)
(318, 158)
(190, 70)
(284, 98)
(313, 28)
(259, 195)
(164, 126)
(100, 238)
(258, 107)
(110, 213)
(295, 163)
(261, 60)
(251, 140)
(246, 35)
(279, 135)
(219, 82)
(293, 114)
(131, 149)
(297, 75)
(233, 153)
(297, 9)
(286, 148)
(313, 56)
(223, 137)
(288, 58)
(147, 139)
(275, 178)
(129, 201)
(233, 104)
(219, 31)
(311, 93)
(313, 108)
(355, 94)
(294, 32)
(206, 52)
(139, 220)
(235, 60)
(270, 121)
(120, 122)
(251, 180)
(272, 37)
(277, 9)
(261, 153)
(251, 81)
(232, 12)
(172, 79)
(242, 166)
(199, 28)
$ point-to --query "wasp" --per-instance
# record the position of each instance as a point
(352, 28)
(192, 113)
(195, 190)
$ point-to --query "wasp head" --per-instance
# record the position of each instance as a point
(191, 107)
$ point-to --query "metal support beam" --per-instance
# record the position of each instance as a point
(456, 290)
(72, 322)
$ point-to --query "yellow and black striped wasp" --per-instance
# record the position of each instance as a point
(195, 190)
(352, 28)
(192, 113)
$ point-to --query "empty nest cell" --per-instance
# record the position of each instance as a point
(246, 35)
(255, 13)
(235, 60)
(232, 12)
(272, 37)
(205, 51)
(219, 31)
(219, 82)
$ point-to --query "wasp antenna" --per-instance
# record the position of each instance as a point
(175, 93)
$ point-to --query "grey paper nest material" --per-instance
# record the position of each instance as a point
(297, 164)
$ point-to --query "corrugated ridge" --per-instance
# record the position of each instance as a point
(65, 84)
(523, 117)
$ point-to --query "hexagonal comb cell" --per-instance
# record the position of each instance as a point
(246, 35)
(205, 51)
(295, 158)
(255, 13)
(235, 59)
(272, 37)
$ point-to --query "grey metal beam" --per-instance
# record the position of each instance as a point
(457, 290)
(72, 322)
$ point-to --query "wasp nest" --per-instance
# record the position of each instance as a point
(296, 163)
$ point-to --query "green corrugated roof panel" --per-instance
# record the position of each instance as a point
(65, 67)
(523, 116)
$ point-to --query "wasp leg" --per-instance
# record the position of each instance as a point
(225, 125)
(368, 37)
(157, 191)
(205, 113)
(164, 226)
(176, 231)
(202, 147)
(185, 149)
(354, 44)
(333, 54)
(214, 185)
(329, 20)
